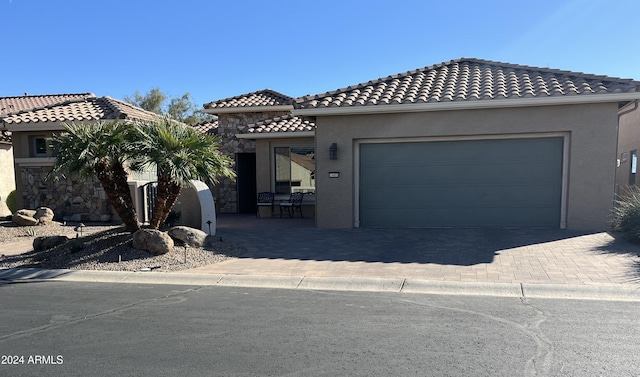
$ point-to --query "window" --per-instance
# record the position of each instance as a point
(634, 167)
(39, 146)
(295, 169)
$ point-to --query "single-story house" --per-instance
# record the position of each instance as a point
(9, 105)
(465, 143)
(30, 128)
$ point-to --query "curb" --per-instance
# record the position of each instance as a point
(518, 290)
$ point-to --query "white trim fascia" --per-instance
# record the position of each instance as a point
(23, 127)
(247, 109)
(53, 125)
(277, 135)
(469, 104)
(35, 161)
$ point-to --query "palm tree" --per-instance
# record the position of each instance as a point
(101, 150)
(179, 154)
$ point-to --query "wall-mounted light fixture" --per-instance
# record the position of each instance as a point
(333, 151)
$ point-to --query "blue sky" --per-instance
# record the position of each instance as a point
(218, 49)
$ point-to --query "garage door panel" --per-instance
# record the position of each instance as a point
(452, 217)
(505, 173)
(460, 196)
(506, 182)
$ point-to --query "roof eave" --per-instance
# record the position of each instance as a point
(247, 109)
(277, 135)
(48, 126)
(468, 105)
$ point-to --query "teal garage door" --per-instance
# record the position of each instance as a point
(468, 183)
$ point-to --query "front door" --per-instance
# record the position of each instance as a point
(246, 180)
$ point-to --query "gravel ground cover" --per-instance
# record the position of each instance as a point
(103, 247)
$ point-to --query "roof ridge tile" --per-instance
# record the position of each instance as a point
(264, 97)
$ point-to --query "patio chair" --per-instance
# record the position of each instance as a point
(295, 201)
(265, 199)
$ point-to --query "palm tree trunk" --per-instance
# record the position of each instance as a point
(118, 193)
(161, 203)
(174, 192)
(168, 192)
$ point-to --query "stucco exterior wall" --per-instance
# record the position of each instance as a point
(591, 130)
(7, 182)
(629, 140)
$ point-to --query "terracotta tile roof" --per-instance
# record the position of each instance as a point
(468, 80)
(19, 103)
(209, 127)
(80, 110)
(288, 123)
(262, 98)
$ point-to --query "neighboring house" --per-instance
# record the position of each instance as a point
(30, 129)
(628, 149)
(7, 184)
(465, 143)
(14, 104)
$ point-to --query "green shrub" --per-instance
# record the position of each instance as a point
(11, 202)
(30, 232)
(626, 215)
(75, 246)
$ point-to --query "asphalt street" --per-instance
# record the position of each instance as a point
(82, 329)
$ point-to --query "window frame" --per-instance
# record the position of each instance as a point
(36, 144)
(286, 187)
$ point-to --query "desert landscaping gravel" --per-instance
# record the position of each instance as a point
(103, 247)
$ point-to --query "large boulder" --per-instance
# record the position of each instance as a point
(24, 217)
(44, 215)
(153, 241)
(30, 217)
(187, 235)
(46, 243)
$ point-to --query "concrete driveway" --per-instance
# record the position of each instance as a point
(294, 247)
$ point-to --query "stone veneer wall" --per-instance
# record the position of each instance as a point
(228, 126)
(69, 198)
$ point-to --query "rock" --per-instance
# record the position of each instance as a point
(44, 215)
(24, 217)
(27, 212)
(153, 241)
(46, 243)
(190, 236)
(29, 217)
